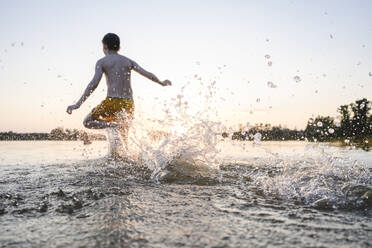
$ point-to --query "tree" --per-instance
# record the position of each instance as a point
(320, 129)
(359, 123)
(57, 134)
(345, 129)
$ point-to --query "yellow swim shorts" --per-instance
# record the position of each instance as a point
(110, 108)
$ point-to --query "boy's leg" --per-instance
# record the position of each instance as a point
(91, 123)
(102, 117)
(124, 130)
(115, 144)
(125, 119)
(124, 126)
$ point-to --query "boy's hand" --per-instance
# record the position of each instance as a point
(166, 83)
(71, 107)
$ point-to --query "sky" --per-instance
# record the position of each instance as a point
(48, 50)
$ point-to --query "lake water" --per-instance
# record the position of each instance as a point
(268, 194)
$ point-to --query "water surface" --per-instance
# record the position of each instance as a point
(282, 194)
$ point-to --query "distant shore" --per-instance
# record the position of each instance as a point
(55, 134)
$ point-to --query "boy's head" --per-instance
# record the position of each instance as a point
(112, 41)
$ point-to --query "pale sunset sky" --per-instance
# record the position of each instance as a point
(48, 50)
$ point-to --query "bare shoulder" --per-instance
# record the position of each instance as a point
(101, 61)
(125, 58)
(127, 61)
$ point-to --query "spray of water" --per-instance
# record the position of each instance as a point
(325, 181)
(187, 143)
(183, 140)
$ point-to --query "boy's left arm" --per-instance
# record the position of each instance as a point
(90, 88)
(149, 75)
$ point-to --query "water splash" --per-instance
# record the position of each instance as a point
(182, 140)
(297, 79)
(271, 84)
(324, 182)
(186, 146)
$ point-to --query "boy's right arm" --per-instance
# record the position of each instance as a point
(149, 75)
(90, 88)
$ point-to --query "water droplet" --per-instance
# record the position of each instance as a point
(297, 79)
(331, 130)
(271, 85)
(257, 138)
(319, 124)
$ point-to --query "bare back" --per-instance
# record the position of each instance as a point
(117, 69)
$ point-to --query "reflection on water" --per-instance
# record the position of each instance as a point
(289, 194)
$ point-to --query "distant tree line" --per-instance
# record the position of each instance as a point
(354, 125)
(23, 136)
(267, 132)
(55, 134)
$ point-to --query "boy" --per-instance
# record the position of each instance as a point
(117, 69)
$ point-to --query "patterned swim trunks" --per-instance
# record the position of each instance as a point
(110, 109)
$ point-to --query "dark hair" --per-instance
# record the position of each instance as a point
(112, 41)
